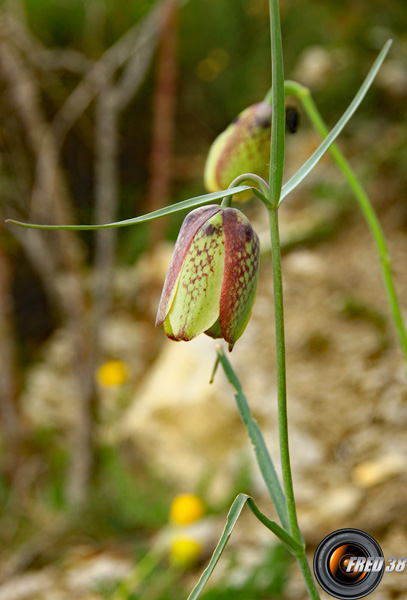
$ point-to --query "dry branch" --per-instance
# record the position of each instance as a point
(163, 118)
(9, 419)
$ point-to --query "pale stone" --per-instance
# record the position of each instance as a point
(26, 586)
(50, 397)
(188, 428)
(314, 66)
(339, 502)
(92, 572)
(305, 263)
(371, 473)
(393, 77)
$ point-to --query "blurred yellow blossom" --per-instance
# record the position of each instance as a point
(186, 509)
(184, 550)
(112, 372)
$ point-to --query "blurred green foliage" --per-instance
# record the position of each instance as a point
(267, 580)
(125, 504)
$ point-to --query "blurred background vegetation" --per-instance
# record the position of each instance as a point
(107, 111)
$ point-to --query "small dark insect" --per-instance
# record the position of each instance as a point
(291, 119)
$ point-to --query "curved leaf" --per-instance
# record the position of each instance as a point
(320, 151)
(156, 214)
(232, 517)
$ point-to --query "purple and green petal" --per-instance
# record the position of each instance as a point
(192, 223)
(168, 330)
(242, 253)
(242, 148)
(196, 303)
(215, 331)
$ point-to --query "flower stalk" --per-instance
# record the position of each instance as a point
(278, 113)
(276, 178)
(304, 95)
(282, 403)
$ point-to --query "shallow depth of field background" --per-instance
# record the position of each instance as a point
(103, 420)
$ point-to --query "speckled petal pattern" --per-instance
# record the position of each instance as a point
(242, 255)
(196, 303)
(192, 223)
(242, 148)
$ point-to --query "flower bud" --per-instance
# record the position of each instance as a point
(244, 147)
(212, 279)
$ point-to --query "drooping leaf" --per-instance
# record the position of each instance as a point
(161, 212)
(307, 167)
(232, 517)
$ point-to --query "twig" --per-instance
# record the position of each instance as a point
(10, 423)
(103, 70)
(163, 117)
(45, 59)
(106, 196)
(111, 100)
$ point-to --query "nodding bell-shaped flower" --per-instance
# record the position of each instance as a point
(211, 282)
(244, 147)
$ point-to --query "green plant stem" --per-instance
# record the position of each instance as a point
(282, 401)
(140, 572)
(278, 102)
(281, 373)
(292, 546)
(308, 578)
(305, 97)
(262, 193)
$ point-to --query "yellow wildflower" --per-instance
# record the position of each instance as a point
(112, 372)
(184, 550)
(186, 509)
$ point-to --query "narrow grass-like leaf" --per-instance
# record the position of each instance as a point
(162, 212)
(264, 460)
(292, 546)
(318, 154)
(261, 197)
(232, 517)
